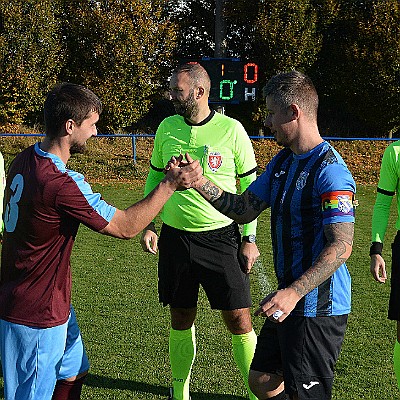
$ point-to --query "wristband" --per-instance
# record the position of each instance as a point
(376, 248)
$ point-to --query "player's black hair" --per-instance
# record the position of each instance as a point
(68, 101)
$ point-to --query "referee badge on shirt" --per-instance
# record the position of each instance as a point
(214, 160)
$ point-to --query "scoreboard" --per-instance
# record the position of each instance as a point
(232, 81)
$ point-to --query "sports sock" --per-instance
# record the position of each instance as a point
(396, 362)
(182, 352)
(243, 351)
(68, 390)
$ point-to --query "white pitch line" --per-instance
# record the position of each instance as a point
(264, 285)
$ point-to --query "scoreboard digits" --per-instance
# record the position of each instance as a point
(232, 81)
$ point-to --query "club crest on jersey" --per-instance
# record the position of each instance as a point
(301, 180)
(214, 161)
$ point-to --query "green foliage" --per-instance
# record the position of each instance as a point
(120, 49)
(125, 50)
(30, 57)
(358, 70)
(289, 35)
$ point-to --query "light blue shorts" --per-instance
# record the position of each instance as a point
(33, 359)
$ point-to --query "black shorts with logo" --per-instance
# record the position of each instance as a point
(210, 259)
(394, 301)
(304, 351)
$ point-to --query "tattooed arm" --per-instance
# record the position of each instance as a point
(336, 251)
(241, 208)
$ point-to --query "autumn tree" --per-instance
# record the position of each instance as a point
(30, 57)
(122, 50)
(359, 68)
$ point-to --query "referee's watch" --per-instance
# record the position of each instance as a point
(249, 238)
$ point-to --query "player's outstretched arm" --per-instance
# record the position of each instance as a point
(127, 223)
(242, 208)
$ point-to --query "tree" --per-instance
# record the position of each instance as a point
(288, 35)
(122, 50)
(359, 69)
(30, 57)
(196, 30)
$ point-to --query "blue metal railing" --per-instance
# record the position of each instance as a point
(135, 136)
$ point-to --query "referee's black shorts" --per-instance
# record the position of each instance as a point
(394, 300)
(210, 259)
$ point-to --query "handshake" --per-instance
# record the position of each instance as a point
(183, 173)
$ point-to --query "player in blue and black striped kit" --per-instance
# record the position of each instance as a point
(310, 193)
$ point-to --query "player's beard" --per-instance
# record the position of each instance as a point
(187, 108)
(77, 148)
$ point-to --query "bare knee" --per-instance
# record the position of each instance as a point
(238, 321)
(265, 385)
(182, 318)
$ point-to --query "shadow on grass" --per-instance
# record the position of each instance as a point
(123, 384)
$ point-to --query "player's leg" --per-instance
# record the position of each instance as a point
(228, 289)
(178, 288)
(396, 355)
(74, 365)
(266, 376)
(310, 347)
(37, 353)
(394, 303)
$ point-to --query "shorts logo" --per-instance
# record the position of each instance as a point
(214, 161)
(301, 180)
(312, 383)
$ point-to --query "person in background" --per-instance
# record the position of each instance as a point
(42, 353)
(388, 186)
(198, 245)
(310, 193)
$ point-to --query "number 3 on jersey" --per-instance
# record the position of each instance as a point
(11, 211)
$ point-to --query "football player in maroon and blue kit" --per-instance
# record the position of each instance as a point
(42, 353)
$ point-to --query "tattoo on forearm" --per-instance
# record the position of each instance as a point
(211, 190)
(229, 204)
(335, 253)
(241, 208)
(255, 202)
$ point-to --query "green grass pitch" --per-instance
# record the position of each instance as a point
(126, 330)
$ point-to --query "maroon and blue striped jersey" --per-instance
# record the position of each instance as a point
(44, 205)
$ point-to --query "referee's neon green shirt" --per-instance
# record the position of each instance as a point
(225, 153)
(388, 186)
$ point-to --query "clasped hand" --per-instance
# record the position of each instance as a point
(185, 172)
